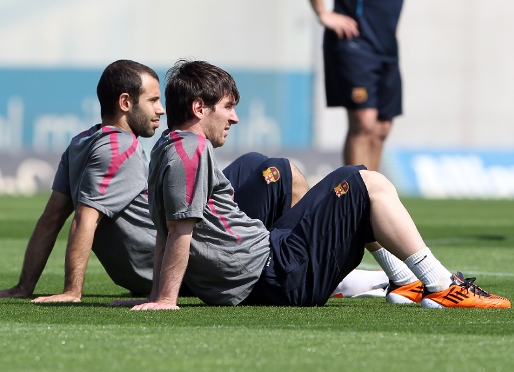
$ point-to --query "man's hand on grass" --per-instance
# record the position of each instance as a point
(14, 292)
(156, 306)
(63, 297)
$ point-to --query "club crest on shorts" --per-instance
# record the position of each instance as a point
(359, 95)
(271, 175)
(342, 188)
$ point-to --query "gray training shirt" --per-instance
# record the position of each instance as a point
(228, 248)
(105, 168)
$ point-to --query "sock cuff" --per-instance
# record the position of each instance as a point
(418, 257)
(395, 269)
(429, 270)
(381, 253)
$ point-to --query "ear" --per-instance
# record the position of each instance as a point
(198, 108)
(124, 102)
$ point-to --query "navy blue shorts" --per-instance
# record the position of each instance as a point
(356, 78)
(262, 186)
(315, 244)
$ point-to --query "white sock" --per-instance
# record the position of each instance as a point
(395, 268)
(429, 270)
(360, 281)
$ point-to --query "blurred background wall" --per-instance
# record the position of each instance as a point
(455, 138)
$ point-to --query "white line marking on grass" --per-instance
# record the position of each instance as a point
(471, 239)
(367, 266)
(486, 273)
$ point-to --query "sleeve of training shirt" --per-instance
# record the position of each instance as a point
(115, 173)
(188, 178)
(62, 176)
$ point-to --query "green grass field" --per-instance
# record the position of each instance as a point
(475, 237)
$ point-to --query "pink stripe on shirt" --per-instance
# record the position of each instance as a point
(190, 164)
(117, 159)
(223, 220)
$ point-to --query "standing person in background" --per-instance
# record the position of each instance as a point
(362, 74)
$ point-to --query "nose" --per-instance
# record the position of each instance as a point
(233, 117)
(159, 110)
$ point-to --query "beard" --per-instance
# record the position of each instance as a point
(139, 122)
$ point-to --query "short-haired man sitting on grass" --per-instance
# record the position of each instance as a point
(102, 176)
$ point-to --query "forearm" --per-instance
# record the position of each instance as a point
(41, 243)
(80, 242)
(174, 264)
(38, 251)
(157, 263)
(318, 6)
(344, 26)
(77, 255)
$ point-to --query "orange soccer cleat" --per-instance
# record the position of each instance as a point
(463, 293)
(405, 294)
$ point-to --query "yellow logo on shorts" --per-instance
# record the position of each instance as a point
(271, 175)
(359, 95)
(342, 189)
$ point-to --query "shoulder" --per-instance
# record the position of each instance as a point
(181, 149)
(86, 135)
(116, 135)
(190, 143)
(117, 142)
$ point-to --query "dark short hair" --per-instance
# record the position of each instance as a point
(123, 76)
(189, 80)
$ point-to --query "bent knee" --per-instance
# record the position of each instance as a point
(376, 182)
(362, 128)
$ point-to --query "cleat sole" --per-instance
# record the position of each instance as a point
(394, 298)
(427, 303)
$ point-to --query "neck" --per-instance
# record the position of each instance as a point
(192, 126)
(118, 122)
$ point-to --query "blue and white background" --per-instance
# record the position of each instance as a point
(44, 108)
(453, 173)
(455, 139)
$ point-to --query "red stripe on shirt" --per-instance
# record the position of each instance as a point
(190, 164)
(223, 220)
(117, 159)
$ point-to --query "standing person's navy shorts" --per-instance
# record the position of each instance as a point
(314, 244)
(357, 78)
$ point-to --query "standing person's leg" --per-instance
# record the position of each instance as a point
(353, 80)
(382, 129)
(365, 138)
(370, 122)
(389, 104)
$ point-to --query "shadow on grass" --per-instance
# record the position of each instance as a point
(68, 304)
(96, 304)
